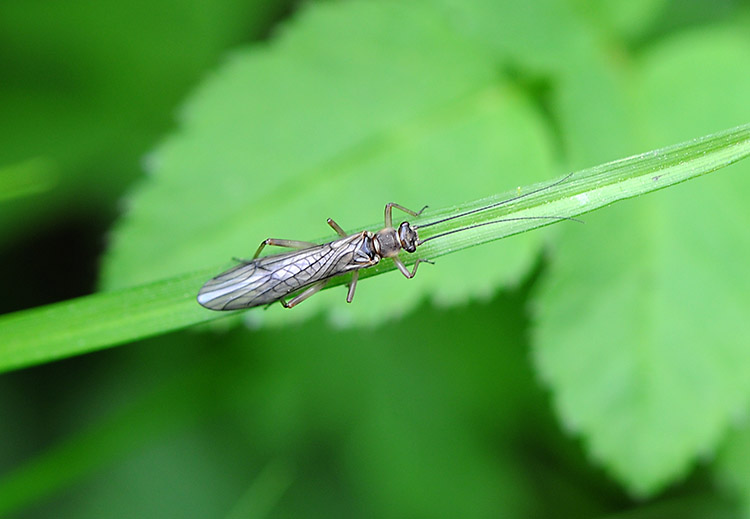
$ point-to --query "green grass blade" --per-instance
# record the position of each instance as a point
(578, 193)
(590, 189)
(94, 322)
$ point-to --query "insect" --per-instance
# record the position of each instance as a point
(265, 280)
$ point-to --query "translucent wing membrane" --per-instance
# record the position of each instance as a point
(272, 278)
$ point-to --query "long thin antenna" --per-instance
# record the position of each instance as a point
(496, 204)
(558, 218)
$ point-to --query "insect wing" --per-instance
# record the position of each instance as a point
(270, 278)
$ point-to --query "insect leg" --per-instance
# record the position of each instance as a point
(352, 286)
(405, 271)
(389, 212)
(337, 228)
(304, 295)
(292, 244)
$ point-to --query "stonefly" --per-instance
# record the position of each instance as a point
(267, 279)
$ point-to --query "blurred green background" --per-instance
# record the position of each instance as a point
(600, 370)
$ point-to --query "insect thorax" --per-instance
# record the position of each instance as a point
(386, 242)
(366, 253)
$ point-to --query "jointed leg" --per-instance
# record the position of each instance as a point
(405, 271)
(389, 212)
(296, 244)
(337, 228)
(352, 286)
(292, 244)
(304, 295)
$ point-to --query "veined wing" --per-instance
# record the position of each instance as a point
(270, 278)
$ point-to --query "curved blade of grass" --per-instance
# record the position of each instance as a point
(107, 319)
(94, 322)
(577, 193)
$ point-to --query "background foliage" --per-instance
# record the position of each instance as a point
(606, 373)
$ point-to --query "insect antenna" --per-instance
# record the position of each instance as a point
(556, 218)
(491, 206)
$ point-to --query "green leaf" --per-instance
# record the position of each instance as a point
(561, 60)
(538, 37)
(629, 19)
(642, 328)
(733, 466)
(397, 107)
(90, 117)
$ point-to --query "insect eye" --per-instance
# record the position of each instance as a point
(407, 237)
